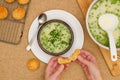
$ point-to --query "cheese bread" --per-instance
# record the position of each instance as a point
(9, 1)
(68, 60)
(23, 1)
(18, 13)
(33, 64)
(3, 12)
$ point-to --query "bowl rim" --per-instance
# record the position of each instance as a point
(87, 16)
(60, 21)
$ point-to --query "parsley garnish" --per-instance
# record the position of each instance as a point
(115, 1)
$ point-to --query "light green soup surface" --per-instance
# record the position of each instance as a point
(55, 37)
(100, 8)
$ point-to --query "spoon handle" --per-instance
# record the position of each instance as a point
(113, 49)
(32, 39)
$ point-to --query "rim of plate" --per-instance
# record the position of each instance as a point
(87, 16)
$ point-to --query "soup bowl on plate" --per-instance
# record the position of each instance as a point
(96, 9)
(55, 37)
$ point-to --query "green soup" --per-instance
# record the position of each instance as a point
(103, 7)
(55, 37)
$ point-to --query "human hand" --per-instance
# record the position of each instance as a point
(89, 65)
(54, 69)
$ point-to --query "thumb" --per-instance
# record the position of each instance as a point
(83, 60)
(59, 70)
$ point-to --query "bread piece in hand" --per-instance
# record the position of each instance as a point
(18, 13)
(33, 64)
(75, 55)
(62, 60)
(3, 12)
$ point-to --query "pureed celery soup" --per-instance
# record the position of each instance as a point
(55, 37)
(102, 7)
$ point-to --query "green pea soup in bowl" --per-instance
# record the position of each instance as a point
(55, 37)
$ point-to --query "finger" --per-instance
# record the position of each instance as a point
(83, 55)
(52, 61)
(89, 58)
(55, 64)
(86, 53)
(93, 60)
(66, 66)
(51, 64)
(85, 69)
(87, 73)
(83, 60)
(59, 70)
(77, 61)
(81, 64)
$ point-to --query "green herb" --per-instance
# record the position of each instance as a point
(52, 40)
(115, 1)
(64, 42)
(55, 35)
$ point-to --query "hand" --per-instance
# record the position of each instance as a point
(54, 69)
(89, 65)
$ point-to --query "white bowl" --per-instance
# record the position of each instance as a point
(87, 16)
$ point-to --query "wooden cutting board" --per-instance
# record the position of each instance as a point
(114, 67)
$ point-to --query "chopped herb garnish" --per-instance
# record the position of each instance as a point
(115, 1)
(55, 37)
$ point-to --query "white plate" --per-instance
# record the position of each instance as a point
(70, 20)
